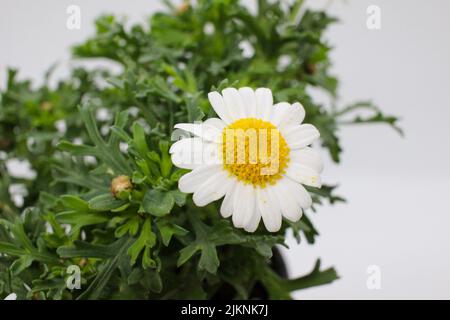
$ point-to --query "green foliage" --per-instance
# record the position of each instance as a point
(149, 241)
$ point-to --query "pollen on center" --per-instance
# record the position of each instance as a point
(254, 151)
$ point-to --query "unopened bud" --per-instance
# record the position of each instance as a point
(83, 262)
(46, 106)
(310, 68)
(182, 8)
(120, 184)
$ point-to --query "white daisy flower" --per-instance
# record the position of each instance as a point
(256, 156)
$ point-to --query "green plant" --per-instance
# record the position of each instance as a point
(138, 236)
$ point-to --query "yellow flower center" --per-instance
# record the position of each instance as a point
(254, 151)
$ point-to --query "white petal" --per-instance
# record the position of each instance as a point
(184, 151)
(219, 106)
(193, 180)
(11, 296)
(300, 194)
(243, 204)
(205, 130)
(252, 225)
(294, 116)
(301, 136)
(190, 153)
(226, 209)
(264, 103)
(307, 157)
(212, 153)
(290, 208)
(280, 113)
(234, 103)
(215, 122)
(269, 208)
(248, 97)
(304, 175)
(214, 188)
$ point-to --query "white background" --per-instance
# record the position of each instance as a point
(397, 216)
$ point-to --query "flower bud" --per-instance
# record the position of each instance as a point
(83, 262)
(310, 68)
(120, 184)
(183, 7)
(46, 106)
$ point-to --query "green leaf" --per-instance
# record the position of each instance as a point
(82, 249)
(280, 288)
(10, 249)
(168, 230)
(81, 219)
(194, 111)
(54, 287)
(209, 260)
(75, 203)
(131, 226)
(158, 203)
(376, 117)
(180, 197)
(122, 134)
(77, 149)
(105, 202)
(146, 240)
(135, 276)
(152, 280)
(147, 260)
(166, 162)
(21, 264)
(315, 278)
(159, 86)
(97, 286)
(109, 152)
(187, 252)
(23, 247)
(207, 239)
(139, 141)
